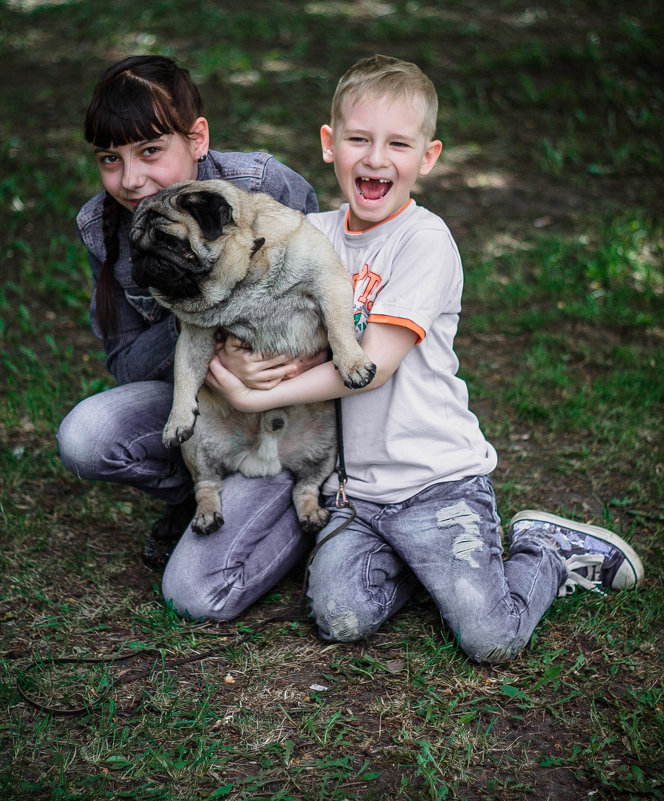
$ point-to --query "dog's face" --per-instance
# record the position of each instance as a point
(187, 245)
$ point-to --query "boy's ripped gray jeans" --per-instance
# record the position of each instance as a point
(447, 538)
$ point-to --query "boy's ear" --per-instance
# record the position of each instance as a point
(327, 143)
(430, 157)
(200, 137)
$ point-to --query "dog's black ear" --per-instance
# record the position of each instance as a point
(258, 244)
(210, 210)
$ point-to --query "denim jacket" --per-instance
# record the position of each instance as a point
(143, 345)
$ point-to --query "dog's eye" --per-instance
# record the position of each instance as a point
(189, 256)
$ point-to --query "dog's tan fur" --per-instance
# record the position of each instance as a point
(223, 258)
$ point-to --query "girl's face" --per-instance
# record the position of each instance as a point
(140, 169)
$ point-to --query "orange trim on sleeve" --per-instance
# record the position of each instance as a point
(404, 322)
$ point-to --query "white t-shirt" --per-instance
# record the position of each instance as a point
(416, 430)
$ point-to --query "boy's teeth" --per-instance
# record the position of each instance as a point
(373, 188)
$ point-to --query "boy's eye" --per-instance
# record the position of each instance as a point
(399, 144)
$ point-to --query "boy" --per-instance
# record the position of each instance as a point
(418, 464)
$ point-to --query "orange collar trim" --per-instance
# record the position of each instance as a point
(371, 227)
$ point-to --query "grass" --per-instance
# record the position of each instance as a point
(551, 182)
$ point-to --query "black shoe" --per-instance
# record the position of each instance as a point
(166, 532)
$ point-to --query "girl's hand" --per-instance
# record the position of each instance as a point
(257, 372)
(222, 381)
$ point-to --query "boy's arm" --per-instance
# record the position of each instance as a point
(385, 344)
(258, 372)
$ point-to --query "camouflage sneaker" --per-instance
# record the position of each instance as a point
(596, 559)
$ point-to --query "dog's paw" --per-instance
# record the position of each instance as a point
(204, 524)
(174, 437)
(176, 431)
(359, 374)
(315, 521)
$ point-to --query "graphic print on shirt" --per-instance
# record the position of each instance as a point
(367, 285)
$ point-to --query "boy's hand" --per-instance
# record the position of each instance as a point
(257, 372)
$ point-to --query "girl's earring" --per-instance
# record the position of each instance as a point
(202, 158)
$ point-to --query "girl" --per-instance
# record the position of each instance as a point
(146, 126)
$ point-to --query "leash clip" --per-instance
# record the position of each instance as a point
(341, 499)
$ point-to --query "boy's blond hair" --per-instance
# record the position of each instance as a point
(383, 75)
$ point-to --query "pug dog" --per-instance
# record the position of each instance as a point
(223, 259)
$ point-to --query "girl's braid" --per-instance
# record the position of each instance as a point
(106, 311)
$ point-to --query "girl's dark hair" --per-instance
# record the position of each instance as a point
(139, 98)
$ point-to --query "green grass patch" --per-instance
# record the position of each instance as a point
(550, 180)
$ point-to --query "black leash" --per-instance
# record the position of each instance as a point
(293, 613)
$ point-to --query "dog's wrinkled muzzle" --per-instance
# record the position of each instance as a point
(169, 276)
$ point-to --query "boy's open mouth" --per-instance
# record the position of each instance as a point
(373, 188)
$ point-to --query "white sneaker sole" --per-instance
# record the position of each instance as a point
(631, 557)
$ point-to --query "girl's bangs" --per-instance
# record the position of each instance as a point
(128, 113)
